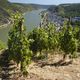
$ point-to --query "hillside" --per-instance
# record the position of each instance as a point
(67, 10)
(6, 8)
(54, 72)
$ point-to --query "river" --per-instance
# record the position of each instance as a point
(31, 20)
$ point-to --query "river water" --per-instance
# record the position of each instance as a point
(32, 19)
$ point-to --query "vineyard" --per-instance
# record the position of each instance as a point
(42, 50)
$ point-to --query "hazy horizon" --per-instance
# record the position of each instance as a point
(47, 2)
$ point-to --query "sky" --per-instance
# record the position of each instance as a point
(46, 2)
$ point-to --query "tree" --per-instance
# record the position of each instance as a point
(18, 44)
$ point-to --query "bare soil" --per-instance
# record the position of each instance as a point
(53, 69)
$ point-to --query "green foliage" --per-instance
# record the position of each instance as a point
(18, 44)
(39, 40)
(67, 41)
(44, 38)
(52, 36)
(51, 30)
(77, 36)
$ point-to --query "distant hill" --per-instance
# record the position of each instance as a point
(39, 6)
(67, 10)
(6, 8)
(31, 6)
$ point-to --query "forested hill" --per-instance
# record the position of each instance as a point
(6, 8)
(67, 10)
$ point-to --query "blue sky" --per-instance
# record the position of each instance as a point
(46, 1)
